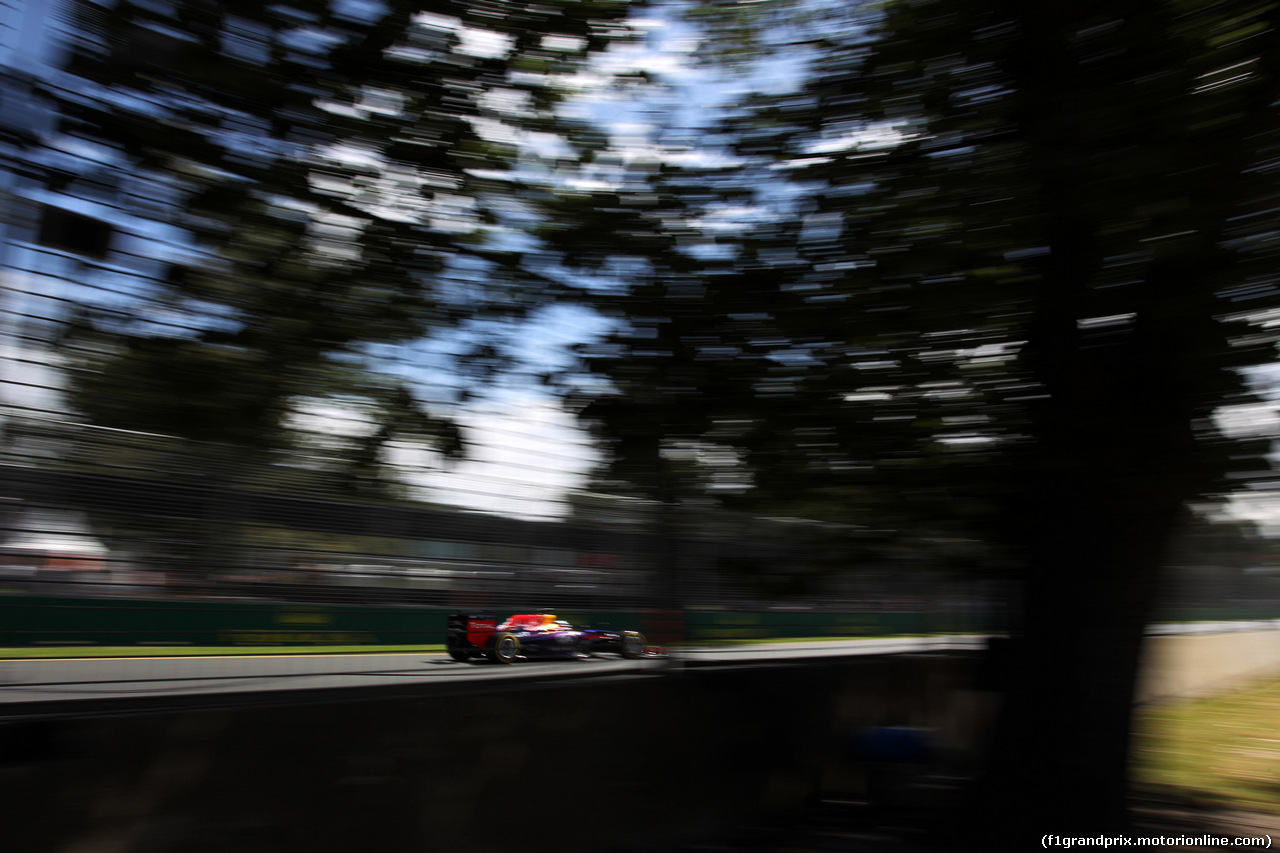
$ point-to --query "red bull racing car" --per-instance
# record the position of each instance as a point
(535, 636)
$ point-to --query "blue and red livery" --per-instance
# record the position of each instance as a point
(535, 636)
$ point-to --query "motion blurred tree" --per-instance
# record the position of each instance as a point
(1002, 302)
(341, 171)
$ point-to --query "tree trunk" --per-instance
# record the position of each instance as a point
(1111, 465)
(1060, 761)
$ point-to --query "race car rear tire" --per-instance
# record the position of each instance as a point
(631, 645)
(460, 657)
(505, 648)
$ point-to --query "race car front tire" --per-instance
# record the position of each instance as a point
(505, 648)
(631, 645)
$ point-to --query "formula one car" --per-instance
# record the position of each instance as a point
(530, 636)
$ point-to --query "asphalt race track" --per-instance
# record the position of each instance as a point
(110, 685)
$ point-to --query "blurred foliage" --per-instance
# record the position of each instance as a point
(986, 274)
(974, 269)
(982, 254)
(341, 175)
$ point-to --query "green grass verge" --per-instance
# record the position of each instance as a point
(1222, 749)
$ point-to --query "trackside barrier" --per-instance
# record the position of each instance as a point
(57, 621)
(649, 762)
(30, 620)
(1195, 663)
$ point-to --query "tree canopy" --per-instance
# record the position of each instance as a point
(998, 278)
(971, 227)
(340, 175)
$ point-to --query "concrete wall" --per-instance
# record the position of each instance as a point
(621, 766)
(1196, 664)
(635, 764)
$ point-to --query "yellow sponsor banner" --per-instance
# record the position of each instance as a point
(736, 633)
(304, 617)
(314, 638)
(854, 625)
(736, 626)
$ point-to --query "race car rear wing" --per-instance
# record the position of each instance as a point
(470, 630)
